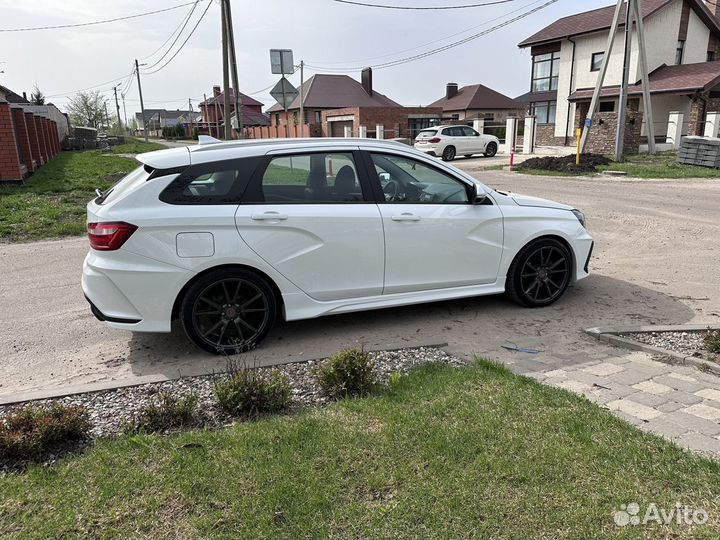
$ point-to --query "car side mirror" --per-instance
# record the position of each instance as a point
(479, 197)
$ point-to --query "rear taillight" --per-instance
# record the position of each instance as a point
(109, 236)
(434, 140)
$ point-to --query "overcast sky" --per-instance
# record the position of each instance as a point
(324, 33)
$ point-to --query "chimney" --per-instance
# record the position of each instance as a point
(366, 80)
(216, 91)
(25, 96)
(451, 90)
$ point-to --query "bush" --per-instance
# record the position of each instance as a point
(711, 340)
(588, 163)
(347, 373)
(248, 392)
(166, 411)
(28, 432)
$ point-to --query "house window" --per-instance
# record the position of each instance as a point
(596, 61)
(295, 118)
(544, 111)
(277, 119)
(545, 70)
(489, 117)
(318, 117)
(679, 52)
(607, 106)
(455, 117)
(711, 56)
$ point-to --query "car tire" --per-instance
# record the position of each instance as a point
(540, 273)
(228, 311)
(449, 153)
(491, 149)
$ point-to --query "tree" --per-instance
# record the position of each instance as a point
(87, 109)
(37, 97)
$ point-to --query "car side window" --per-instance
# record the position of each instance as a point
(405, 180)
(307, 179)
(470, 132)
(213, 183)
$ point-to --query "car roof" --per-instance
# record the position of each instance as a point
(218, 151)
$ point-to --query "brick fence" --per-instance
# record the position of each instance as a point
(27, 141)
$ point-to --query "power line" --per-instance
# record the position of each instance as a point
(60, 94)
(171, 34)
(187, 20)
(105, 21)
(184, 42)
(485, 23)
(387, 6)
(438, 49)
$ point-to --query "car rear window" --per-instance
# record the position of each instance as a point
(427, 133)
(221, 182)
(125, 185)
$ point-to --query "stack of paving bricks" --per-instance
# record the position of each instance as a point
(27, 141)
(703, 151)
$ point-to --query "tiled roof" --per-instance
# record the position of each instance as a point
(336, 92)
(476, 96)
(601, 19)
(685, 78)
(12, 97)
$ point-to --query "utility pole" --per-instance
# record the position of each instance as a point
(622, 108)
(226, 75)
(302, 95)
(233, 66)
(142, 106)
(205, 114)
(127, 126)
(107, 118)
(190, 117)
(117, 108)
(632, 7)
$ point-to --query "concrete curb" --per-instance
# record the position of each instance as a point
(612, 336)
(91, 388)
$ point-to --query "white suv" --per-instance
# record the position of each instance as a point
(230, 237)
(450, 141)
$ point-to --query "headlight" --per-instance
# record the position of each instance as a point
(580, 217)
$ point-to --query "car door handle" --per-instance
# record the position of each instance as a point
(405, 216)
(268, 216)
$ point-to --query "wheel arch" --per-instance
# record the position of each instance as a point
(276, 290)
(556, 237)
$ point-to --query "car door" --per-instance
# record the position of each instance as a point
(456, 138)
(435, 237)
(473, 140)
(313, 218)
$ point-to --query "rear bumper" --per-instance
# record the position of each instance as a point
(431, 150)
(131, 292)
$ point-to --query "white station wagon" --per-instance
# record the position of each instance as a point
(231, 236)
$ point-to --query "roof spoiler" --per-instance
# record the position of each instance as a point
(206, 139)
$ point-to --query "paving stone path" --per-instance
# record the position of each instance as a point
(676, 402)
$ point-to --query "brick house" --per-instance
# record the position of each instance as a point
(212, 112)
(477, 101)
(683, 52)
(338, 104)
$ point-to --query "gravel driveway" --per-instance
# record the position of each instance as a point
(655, 262)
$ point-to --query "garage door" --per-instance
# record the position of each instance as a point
(337, 129)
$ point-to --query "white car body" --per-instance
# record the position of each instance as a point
(455, 140)
(321, 258)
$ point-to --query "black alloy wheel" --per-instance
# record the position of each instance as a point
(540, 273)
(449, 153)
(229, 311)
(491, 149)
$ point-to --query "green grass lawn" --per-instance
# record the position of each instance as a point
(448, 453)
(51, 202)
(136, 146)
(662, 165)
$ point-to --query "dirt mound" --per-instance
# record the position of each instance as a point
(588, 163)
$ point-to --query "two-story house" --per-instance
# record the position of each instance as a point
(683, 51)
